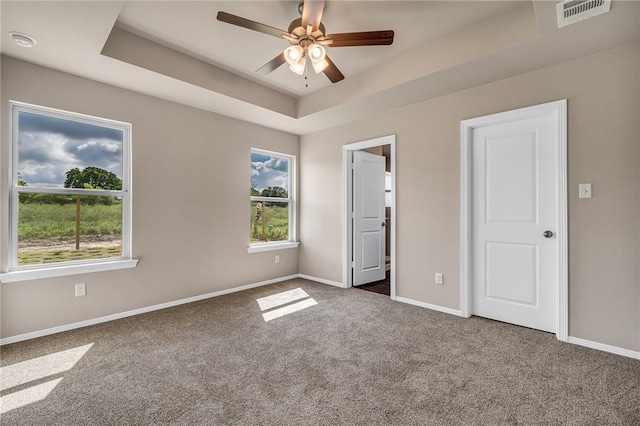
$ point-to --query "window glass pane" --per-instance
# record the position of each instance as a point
(269, 221)
(269, 176)
(56, 153)
(47, 225)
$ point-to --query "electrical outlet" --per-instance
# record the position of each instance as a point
(439, 279)
(277, 259)
(81, 289)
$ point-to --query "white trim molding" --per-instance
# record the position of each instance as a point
(429, 306)
(17, 272)
(256, 248)
(559, 110)
(322, 281)
(107, 318)
(291, 202)
(65, 269)
(604, 347)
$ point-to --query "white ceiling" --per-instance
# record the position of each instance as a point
(190, 57)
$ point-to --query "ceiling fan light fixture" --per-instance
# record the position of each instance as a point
(307, 36)
(318, 67)
(317, 53)
(298, 67)
(293, 54)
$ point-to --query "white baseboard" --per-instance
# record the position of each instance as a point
(429, 306)
(322, 280)
(602, 347)
(80, 324)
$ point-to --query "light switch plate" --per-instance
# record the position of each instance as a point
(584, 190)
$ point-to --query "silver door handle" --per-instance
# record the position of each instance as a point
(547, 234)
(384, 224)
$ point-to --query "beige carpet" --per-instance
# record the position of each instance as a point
(353, 358)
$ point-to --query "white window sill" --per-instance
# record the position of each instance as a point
(64, 270)
(256, 248)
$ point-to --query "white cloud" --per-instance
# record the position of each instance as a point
(269, 173)
(44, 158)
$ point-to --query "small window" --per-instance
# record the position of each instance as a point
(271, 198)
(70, 198)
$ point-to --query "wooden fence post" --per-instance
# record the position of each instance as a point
(78, 223)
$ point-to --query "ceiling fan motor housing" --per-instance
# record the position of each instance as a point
(297, 30)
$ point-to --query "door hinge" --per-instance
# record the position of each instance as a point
(353, 265)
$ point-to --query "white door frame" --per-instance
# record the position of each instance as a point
(347, 228)
(559, 110)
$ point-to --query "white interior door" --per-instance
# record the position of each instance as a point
(514, 221)
(368, 218)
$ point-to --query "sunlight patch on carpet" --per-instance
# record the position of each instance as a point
(281, 298)
(34, 370)
(284, 298)
(27, 396)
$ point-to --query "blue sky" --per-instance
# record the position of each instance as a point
(269, 171)
(49, 147)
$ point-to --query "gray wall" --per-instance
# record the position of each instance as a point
(196, 242)
(191, 180)
(603, 149)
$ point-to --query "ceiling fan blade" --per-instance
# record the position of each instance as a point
(312, 13)
(251, 25)
(272, 65)
(332, 71)
(365, 38)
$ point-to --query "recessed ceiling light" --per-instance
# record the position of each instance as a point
(23, 39)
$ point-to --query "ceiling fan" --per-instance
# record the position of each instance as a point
(307, 36)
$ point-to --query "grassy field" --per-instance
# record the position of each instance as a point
(58, 222)
(46, 232)
(38, 257)
(276, 223)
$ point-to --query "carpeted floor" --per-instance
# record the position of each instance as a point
(354, 358)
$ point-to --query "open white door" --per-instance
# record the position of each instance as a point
(368, 218)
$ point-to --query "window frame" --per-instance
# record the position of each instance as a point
(45, 270)
(291, 241)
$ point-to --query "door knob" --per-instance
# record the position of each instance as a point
(384, 224)
(547, 234)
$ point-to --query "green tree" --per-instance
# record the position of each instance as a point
(94, 177)
(254, 191)
(275, 191)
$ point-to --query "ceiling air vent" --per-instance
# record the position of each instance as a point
(572, 11)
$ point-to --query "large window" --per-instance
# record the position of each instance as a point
(70, 198)
(271, 199)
